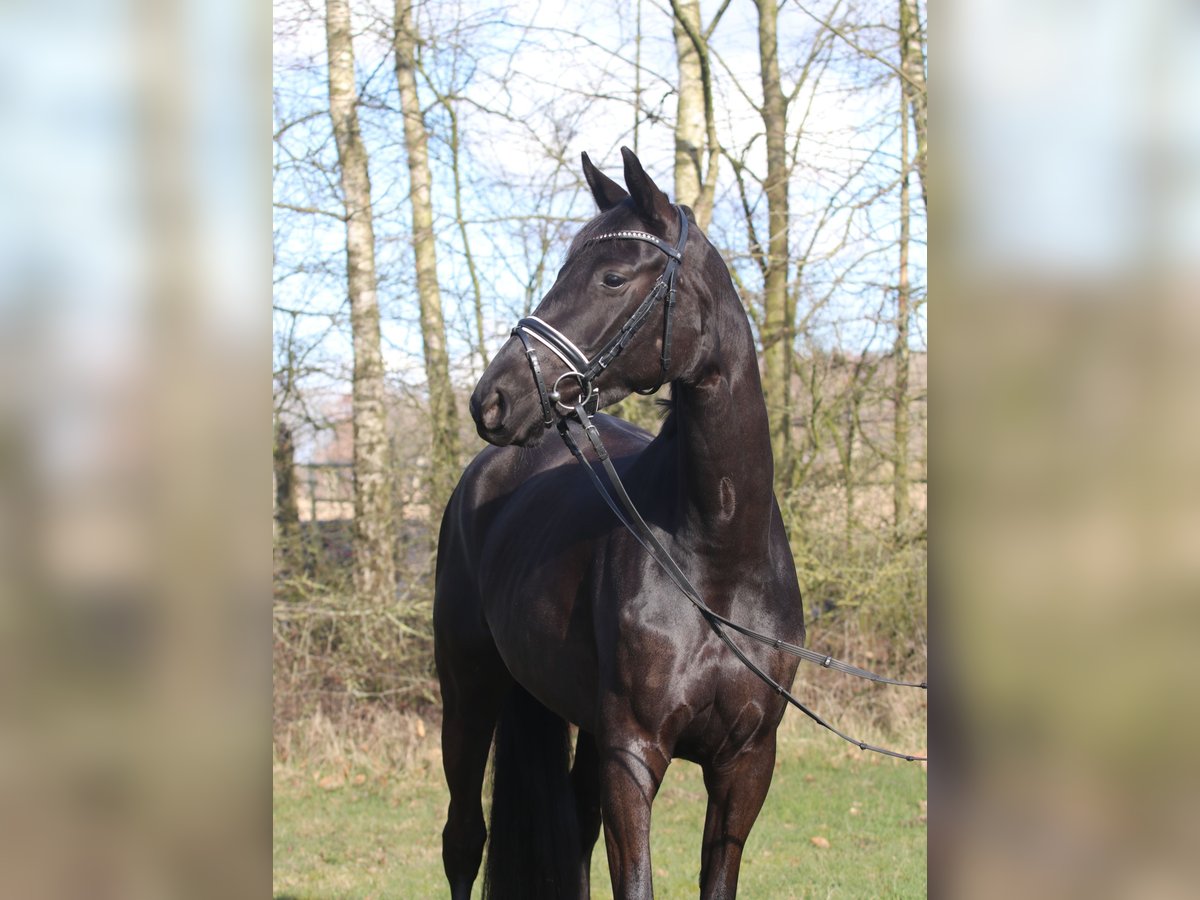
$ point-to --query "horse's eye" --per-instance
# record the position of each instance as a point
(612, 279)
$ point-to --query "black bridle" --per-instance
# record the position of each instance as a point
(615, 495)
(578, 365)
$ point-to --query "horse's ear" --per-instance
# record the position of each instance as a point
(606, 191)
(649, 200)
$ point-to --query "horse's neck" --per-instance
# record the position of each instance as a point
(724, 449)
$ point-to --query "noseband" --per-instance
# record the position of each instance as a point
(579, 367)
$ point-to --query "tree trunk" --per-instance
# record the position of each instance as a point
(444, 455)
(287, 507)
(476, 288)
(778, 308)
(696, 149)
(374, 563)
(689, 111)
(912, 65)
(900, 424)
(637, 79)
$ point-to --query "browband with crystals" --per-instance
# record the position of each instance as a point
(640, 236)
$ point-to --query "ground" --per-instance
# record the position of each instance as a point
(838, 823)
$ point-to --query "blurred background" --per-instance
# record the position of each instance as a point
(134, 283)
(163, 629)
(1065, 435)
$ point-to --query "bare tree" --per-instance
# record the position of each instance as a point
(912, 67)
(442, 411)
(374, 565)
(900, 400)
(455, 144)
(697, 151)
(287, 508)
(778, 310)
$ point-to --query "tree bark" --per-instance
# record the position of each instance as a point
(912, 66)
(444, 452)
(374, 562)
(637, 78)
(287, 507)
(476, 288)
(689, 110)
(697, 154)
(778, 307)
(900, 399)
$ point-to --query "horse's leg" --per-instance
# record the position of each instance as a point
(735, 795)
(631, 769)
(471, 708)
(585, 778)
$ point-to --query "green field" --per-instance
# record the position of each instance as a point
(349, 834)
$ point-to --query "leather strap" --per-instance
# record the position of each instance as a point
(543, 394)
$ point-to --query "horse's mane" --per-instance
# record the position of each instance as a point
(666, 410)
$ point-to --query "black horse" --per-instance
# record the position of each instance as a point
(549, 613)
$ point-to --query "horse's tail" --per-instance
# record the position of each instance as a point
(533, 840)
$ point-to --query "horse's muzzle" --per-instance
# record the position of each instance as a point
(504, 406)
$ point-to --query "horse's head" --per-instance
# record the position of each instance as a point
(606, 327)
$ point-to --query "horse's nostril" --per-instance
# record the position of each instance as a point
(493, 412)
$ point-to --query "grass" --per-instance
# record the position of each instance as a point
(361, 834)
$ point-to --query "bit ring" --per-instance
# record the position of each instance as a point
(556, 395)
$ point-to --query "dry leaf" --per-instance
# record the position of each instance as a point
(331, 782)
(360, 778)
(820, 842)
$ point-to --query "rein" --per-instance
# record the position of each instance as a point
(615, 495)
